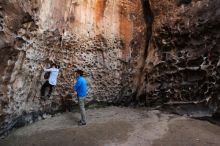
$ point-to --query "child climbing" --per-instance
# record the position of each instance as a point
(52, 80)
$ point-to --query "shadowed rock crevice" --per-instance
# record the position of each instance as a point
(149, 19)
(138, 93)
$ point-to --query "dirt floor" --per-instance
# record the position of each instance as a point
(114, 126)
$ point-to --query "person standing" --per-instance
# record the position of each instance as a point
(80, 88)
(52, 81)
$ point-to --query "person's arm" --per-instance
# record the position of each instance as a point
(77, 85)
(47, 70)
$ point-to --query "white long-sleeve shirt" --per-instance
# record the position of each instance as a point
(53, 75)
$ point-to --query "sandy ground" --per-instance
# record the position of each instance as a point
(114, 126)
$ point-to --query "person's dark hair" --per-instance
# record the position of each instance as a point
(53, 65)
(80, 72)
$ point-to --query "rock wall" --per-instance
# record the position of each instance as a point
(147, 52)
(182, 65)
(102, 37)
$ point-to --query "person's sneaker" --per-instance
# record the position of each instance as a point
(80, 123)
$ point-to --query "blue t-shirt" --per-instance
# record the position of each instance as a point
(80, 87)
